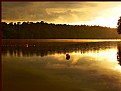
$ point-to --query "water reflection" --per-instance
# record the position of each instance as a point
(61, 66)
(44, 49)
(102, 52)
(119, 53)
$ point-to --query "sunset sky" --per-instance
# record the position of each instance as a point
(76, 13)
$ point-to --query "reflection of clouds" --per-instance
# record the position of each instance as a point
(59, 57)
(82, 55)
(74, 59)
(105, 59)
(99, 69)
(56, 60)
(106, 55)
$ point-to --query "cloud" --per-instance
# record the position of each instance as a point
(53, 11)
(15, 4)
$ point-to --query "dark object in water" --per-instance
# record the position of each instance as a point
(67, 56)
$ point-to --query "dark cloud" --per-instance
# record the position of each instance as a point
(15, 4)
(34, 11)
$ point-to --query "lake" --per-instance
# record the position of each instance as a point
(61, 65)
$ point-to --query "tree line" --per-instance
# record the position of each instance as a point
(43, 30)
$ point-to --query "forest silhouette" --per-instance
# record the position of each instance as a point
(43, 30)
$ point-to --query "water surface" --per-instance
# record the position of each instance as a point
(42, 65)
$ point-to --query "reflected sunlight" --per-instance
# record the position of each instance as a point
(109, 53)
(118, 68)
(104, 58)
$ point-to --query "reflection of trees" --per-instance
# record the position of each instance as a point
(48, 48)
(119, 54)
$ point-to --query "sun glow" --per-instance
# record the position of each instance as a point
(106, 18)
(72, 13)
(101, 21)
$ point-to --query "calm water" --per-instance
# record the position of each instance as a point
(42, 65)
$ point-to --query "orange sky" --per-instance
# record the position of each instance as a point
(89, 13)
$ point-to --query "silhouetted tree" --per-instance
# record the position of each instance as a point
(11, 23)
(119, 26)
